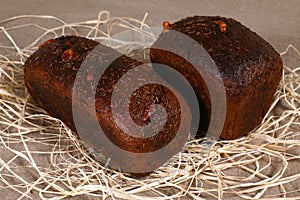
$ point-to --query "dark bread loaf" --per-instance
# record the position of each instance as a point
(50, 75)
(249, 66)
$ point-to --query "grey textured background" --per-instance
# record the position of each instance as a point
(276, 21)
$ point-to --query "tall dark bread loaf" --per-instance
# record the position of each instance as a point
(50, 74)
(250, 68)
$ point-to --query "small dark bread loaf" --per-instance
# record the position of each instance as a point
(50, 74)
(249, 66)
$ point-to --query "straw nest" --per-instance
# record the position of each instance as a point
(41, 157)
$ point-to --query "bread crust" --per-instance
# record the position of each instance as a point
(50, 75)
(249, 66)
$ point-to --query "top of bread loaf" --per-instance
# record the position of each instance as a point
(238, 52)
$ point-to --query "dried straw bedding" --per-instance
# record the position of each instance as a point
(41, 158)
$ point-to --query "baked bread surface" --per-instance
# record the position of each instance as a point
(50, 75)
(249, 66)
